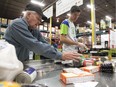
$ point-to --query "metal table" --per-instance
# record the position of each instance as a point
(51, 79)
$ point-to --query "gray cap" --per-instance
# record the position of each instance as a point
(36, 8)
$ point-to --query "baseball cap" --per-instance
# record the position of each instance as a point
(36, 8)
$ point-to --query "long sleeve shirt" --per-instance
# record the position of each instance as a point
(25, 40)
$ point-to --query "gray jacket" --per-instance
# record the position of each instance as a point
(25, 40)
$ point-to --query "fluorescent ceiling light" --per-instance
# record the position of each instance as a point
(23, 12)
(89, 6)
(89, 22)
(68, 14)
(106, 5)
(36, 2)
(108, 17)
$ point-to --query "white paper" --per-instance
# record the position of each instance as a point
(86, 84)
(63, 6)
(49, 12)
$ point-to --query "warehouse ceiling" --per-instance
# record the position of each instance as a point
(11, 9)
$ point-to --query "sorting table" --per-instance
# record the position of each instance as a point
(52, 79)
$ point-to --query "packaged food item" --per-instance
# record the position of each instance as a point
(86, 62)
(82, 60)
(102, 24)
(73, 75)
(27, 76)
(91, 69)
(9, 84)
(89, 62)
(107, 67)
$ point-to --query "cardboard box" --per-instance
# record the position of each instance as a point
(74, 75)
(91, 69)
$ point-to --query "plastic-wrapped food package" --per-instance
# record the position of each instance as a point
(10, 66)
(9, 84)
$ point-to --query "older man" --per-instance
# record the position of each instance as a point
(25, 36)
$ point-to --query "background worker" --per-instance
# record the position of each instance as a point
(68, 31)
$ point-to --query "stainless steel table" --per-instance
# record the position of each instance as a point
(51, 79)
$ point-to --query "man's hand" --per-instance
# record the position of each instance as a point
(71, 55)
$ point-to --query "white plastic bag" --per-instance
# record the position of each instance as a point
(10, 66)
